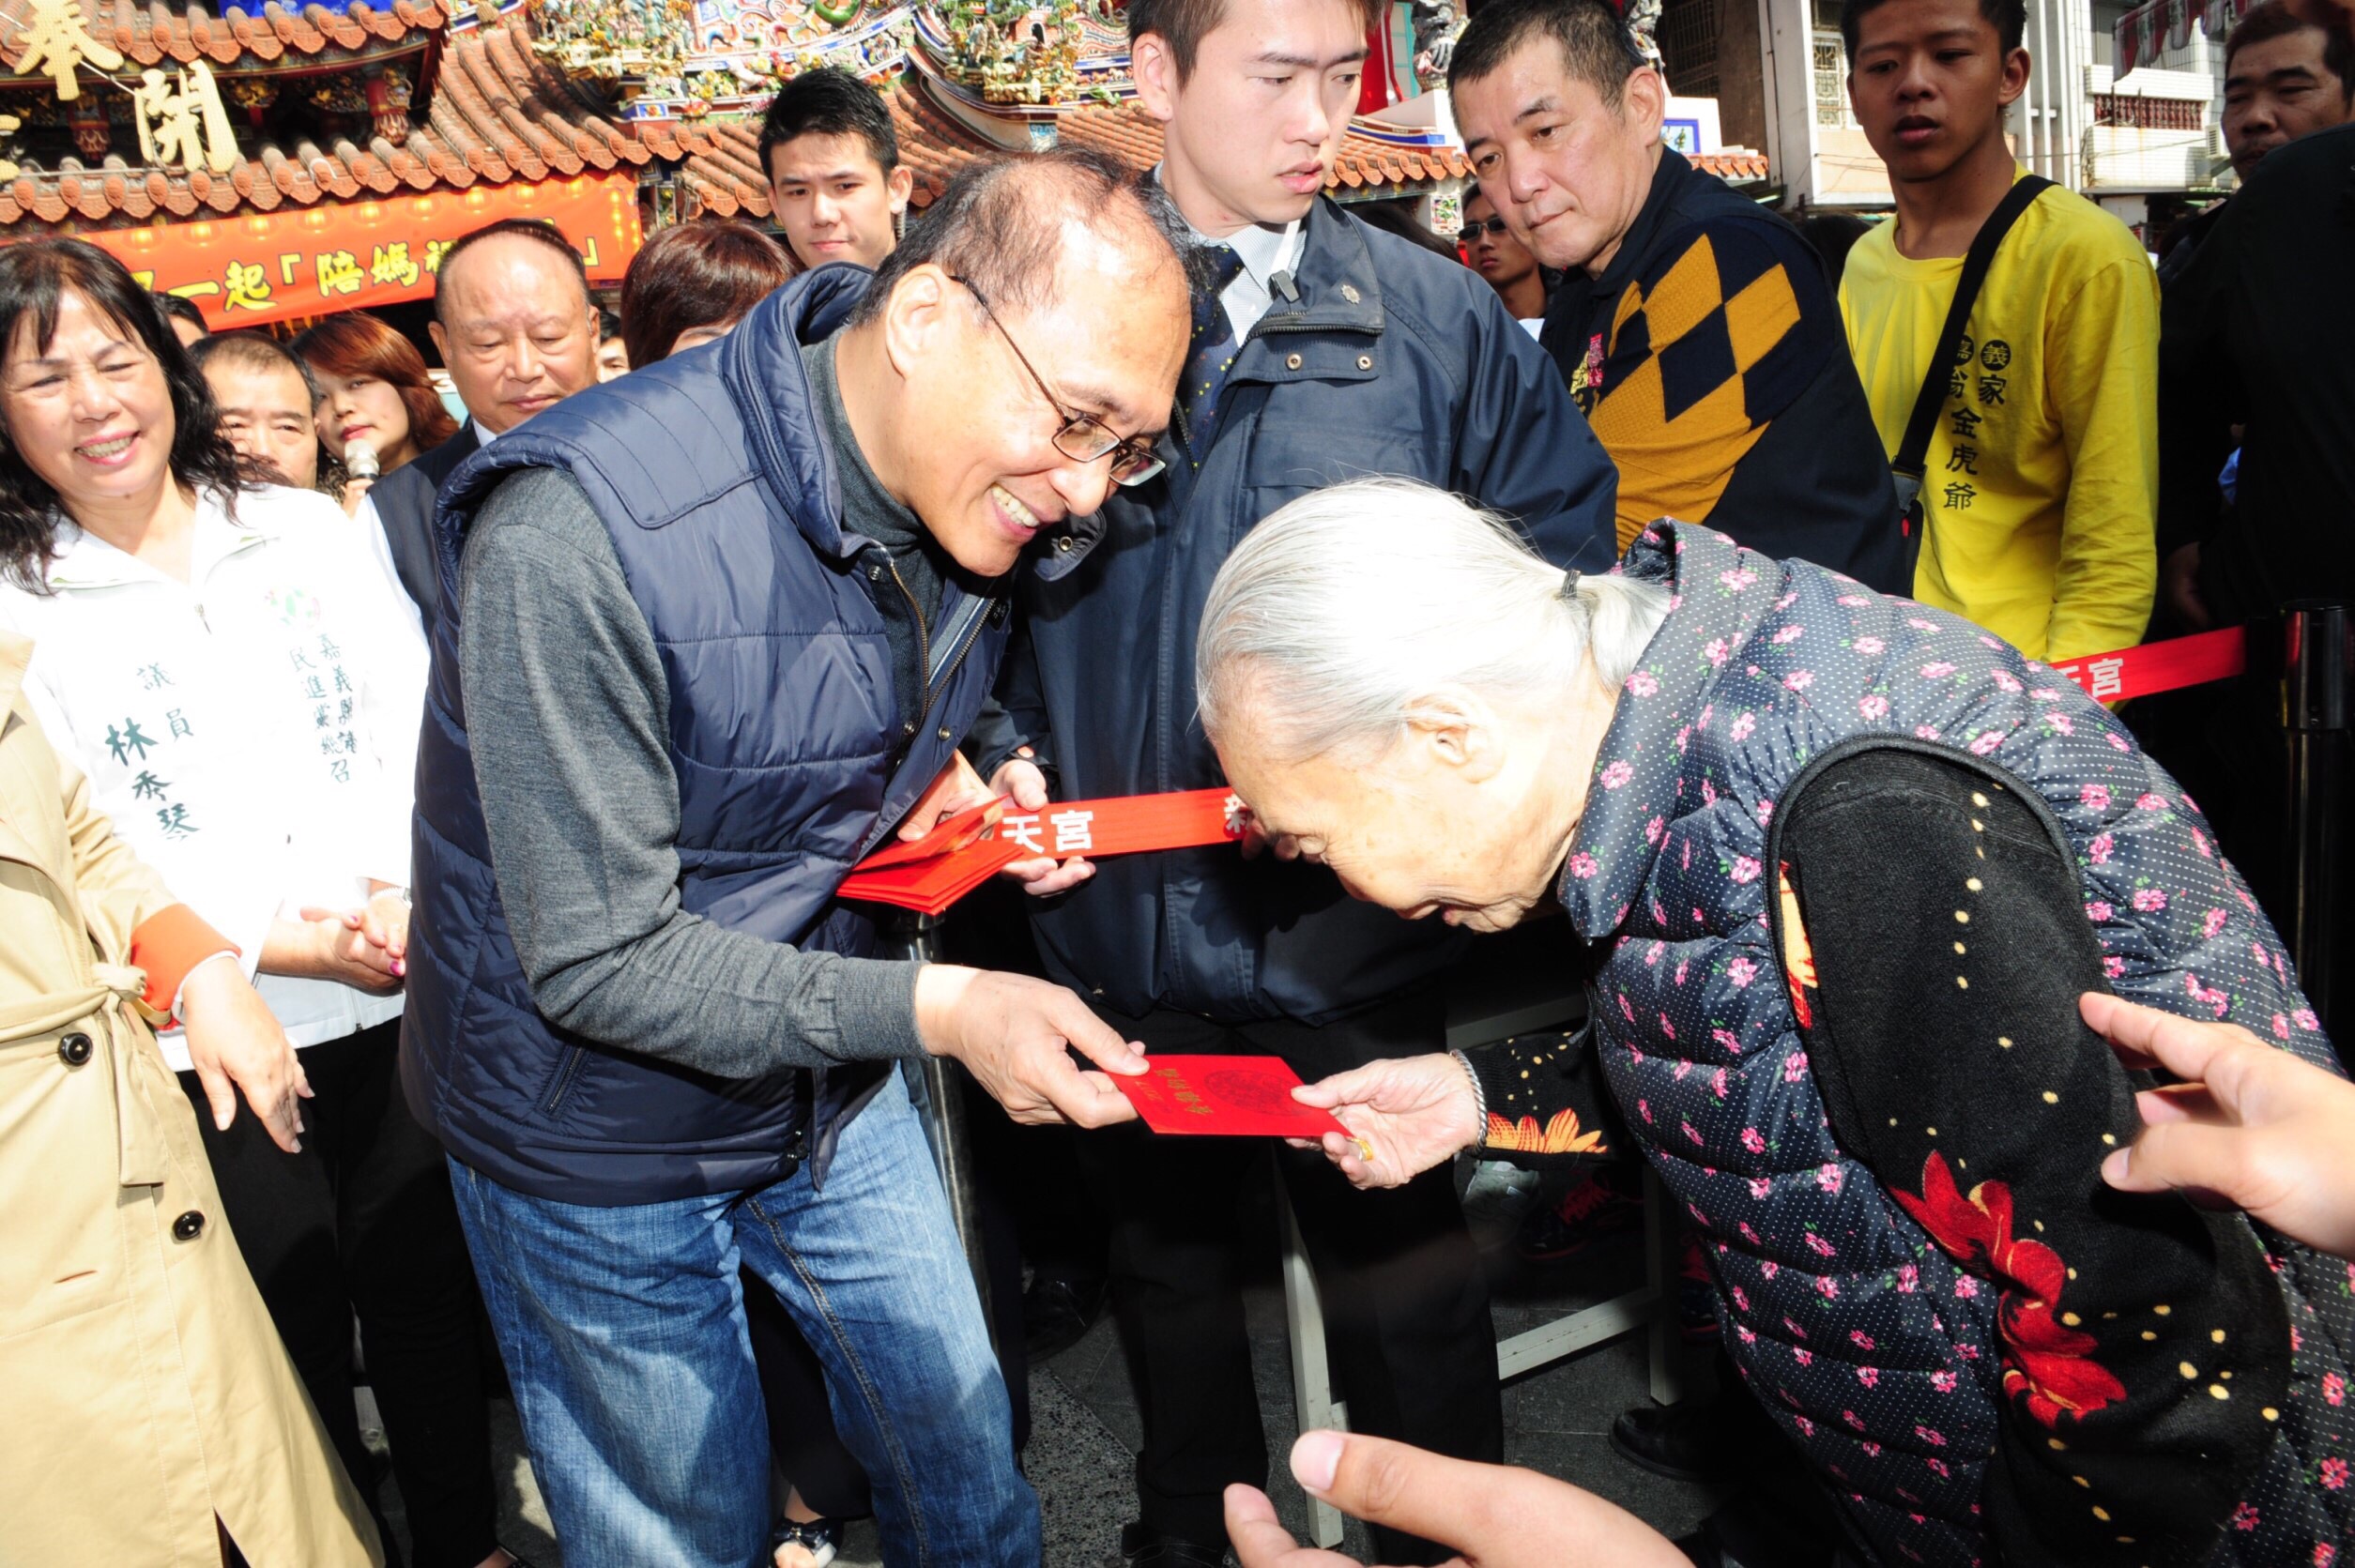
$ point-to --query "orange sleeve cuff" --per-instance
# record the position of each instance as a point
(169, 943)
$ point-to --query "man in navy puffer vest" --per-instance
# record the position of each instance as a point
(710, 632)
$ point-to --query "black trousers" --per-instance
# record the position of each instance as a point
(361, 1221)
(1412, 1346)
(802, 1440)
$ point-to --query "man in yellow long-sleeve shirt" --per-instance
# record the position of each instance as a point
(2042, 475)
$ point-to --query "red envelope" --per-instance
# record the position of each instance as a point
(929, 873)
(1245, 1097)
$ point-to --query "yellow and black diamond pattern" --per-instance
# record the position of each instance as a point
(1707, 346)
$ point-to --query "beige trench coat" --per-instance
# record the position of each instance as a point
(143, 1390)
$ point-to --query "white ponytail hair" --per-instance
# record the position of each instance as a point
(1335, 617)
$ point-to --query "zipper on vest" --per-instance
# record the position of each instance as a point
(955, 658)
(933, 684)
(924, 647)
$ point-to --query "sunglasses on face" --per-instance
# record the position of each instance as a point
(1081, 438)
(1474, 229)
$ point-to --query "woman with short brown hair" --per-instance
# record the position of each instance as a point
(694, 280)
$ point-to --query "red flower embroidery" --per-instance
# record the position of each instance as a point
(2047, 1364)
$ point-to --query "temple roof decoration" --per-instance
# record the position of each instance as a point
(363, 100)
(720, 161)
(498, 114)
(613, 41)
(965, 79)
(240, 38)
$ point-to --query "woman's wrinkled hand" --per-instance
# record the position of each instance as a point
(2250, 1126)
(1406, 1115)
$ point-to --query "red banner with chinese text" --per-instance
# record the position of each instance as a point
(270, 266)
(2156, 667)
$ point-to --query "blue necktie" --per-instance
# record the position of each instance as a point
(1211, 356)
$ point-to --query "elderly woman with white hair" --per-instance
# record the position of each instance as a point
(1848, 866)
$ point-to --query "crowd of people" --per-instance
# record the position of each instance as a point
(1684, 578)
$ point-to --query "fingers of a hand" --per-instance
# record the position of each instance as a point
(1110, 1107)
(921, 820)
(1261, 1542)
(347, 919)
(2180, 1045)
(1083, 1098)
(1354, 1087)
(1059, 878)
(368, 955)
(1386, 1482)
(2179, 1102)
(1092, 1037)
(283, 1122)
(1247, 1505)
(218, 1094)
(1021, 782)
(268, 1084)
(2184, 1154)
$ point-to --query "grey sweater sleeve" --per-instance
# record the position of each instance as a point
(567, 711)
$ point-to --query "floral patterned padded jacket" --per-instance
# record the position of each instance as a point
(1879, 1355)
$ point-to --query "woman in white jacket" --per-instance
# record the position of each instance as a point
(244, 691)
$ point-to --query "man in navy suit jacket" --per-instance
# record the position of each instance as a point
(517, 329)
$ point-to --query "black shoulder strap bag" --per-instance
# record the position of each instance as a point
(1913, 453)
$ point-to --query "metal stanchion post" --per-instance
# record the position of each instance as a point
(944, 1128)
(2318, 648)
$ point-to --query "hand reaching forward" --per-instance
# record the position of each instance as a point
(1495, 1516)
(232, 1039)
(2250, 1126)
(1411, 1112)
(1011, 1032)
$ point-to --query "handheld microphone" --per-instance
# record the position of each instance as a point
(360, 461)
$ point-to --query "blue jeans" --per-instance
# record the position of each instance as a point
(624, 1330)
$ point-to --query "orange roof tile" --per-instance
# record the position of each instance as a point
(499, 113)
(247, 35)
(1737, 165)
(722, 165)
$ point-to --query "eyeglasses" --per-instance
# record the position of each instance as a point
(1081, 439)
(1477, 227)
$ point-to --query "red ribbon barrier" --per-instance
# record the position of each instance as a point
(2155, 667)
(935, 870)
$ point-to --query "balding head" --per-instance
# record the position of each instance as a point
(515, 322)
(1034, 294)
(1006, 225)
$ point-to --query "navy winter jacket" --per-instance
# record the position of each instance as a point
(1390, 360)
(712, 475)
